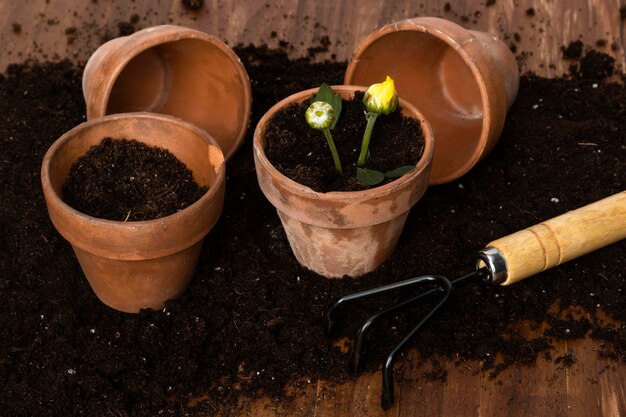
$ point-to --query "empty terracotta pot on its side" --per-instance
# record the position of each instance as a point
(463, 81)
(137, 264)
(341, 233)
(176, 71)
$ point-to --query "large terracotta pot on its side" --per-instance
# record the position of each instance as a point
(463, 81)
(172, 70)
(137, 264)
(341, 233)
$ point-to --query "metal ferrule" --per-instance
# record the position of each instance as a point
(491, 258)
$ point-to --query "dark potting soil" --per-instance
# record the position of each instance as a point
(252, 318)
(126, 180)
(302, 154)
(193, 4)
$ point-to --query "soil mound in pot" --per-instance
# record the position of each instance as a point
(301, 153)
(126, 180)
(252, 319)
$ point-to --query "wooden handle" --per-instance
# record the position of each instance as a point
(562, 238)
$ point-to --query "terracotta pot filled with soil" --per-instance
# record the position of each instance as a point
(129, 262)
(464, 82)
(172, 70)
(335, 225)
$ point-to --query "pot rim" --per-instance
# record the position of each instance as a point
(166, 34)
(104, 223)
(342, 196)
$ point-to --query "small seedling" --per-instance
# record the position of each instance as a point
(379, 99)
(323, 114)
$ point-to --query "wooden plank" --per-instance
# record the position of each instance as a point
(595, 387)
(460, 394)
(361, 397)
(65, 28)
(590, 387)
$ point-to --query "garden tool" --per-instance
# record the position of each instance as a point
(502, 262)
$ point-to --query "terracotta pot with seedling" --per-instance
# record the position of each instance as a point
(133, 264)
(343, 230)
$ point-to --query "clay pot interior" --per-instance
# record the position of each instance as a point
(176, 71)
(341, 233)
(463, 82)
(135, 265)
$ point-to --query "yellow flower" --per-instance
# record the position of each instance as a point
(381, 98)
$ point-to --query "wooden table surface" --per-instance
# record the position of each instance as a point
(54, 29)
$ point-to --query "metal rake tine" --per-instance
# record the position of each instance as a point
(387, 371)
(361, 333)
(368, 293)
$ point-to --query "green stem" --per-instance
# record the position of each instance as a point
(365, 144)
(333, 150)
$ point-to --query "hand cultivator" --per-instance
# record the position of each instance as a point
(502, 262)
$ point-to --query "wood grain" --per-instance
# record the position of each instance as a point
(56, 29)
(591, 387)
(60, 28)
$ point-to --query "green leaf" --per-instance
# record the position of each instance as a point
(369, 176)
(326, 95)
(398, 172)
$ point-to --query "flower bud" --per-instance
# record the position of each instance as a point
(381, 98)
(320, 115)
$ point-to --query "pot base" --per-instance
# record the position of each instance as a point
(335, 253)
(130, 286)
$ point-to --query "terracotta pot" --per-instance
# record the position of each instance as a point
(463, 81)
(341, 233)
(172, 70)
(141, 264)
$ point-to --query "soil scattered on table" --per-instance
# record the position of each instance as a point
(573, 51)
(252, 319)
(126, 180)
